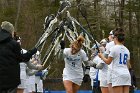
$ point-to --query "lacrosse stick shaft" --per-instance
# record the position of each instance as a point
(57, 40)
(51, 45)
(82, 11)
(48, 51)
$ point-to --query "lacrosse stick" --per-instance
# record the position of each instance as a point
(56, 41)
(83, 13)
(52, 20)
(58, 48)
(83, 29)
(49, 22)
(72, 35)
(57, 32)
(50, 47)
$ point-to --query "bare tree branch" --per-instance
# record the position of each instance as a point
(18, 13)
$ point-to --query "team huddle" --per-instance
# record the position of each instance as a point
(108, 64)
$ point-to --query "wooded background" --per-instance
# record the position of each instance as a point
(103, 15)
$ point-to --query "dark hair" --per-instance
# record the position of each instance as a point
(119, 33)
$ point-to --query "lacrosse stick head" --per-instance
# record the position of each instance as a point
(70, 25)
(62, 24)
(103, 42)
(63, 5)
(94, 49)
(67, 22)
(48, 19)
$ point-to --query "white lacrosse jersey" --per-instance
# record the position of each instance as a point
(23, 67)
(23, 72)
(103, 74)
(120, 55)
(103, 71)
(108, 46)
(73, 64)
(93, 71)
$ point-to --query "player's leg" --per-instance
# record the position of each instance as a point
(104, 90)
(104, 85)
(68, 86)
(22, 86)
(20, 90)
(118, 89)
(110, 88)
(125, 89)
(75, 88)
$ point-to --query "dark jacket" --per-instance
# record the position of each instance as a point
(10, 57)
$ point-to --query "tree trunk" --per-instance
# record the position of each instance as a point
(18, 13)
(116, 19)
(130, 31)
(3, 4)
(138, 18)
(121, 11)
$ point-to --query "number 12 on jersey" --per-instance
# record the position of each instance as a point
(123, 58)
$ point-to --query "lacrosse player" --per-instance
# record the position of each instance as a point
(119, 56)
(108, 46)
(73, 71)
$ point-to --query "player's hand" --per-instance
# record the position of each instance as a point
(32, 59)
(40, 67)
(100, 55)
(34, 62)
(62, 44)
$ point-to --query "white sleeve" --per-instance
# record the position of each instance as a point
(23, 51)
(100, 63)
(112, 52)
(84, 56)
(107, 49)
(65, 52)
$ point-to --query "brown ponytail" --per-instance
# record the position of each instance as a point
(80, 39)
(79, 42)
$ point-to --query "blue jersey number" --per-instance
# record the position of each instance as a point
(124, 60)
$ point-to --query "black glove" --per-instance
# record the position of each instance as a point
(62, 44)
(32, 51)
(86, 78)
(94, 65)
(87, 67)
